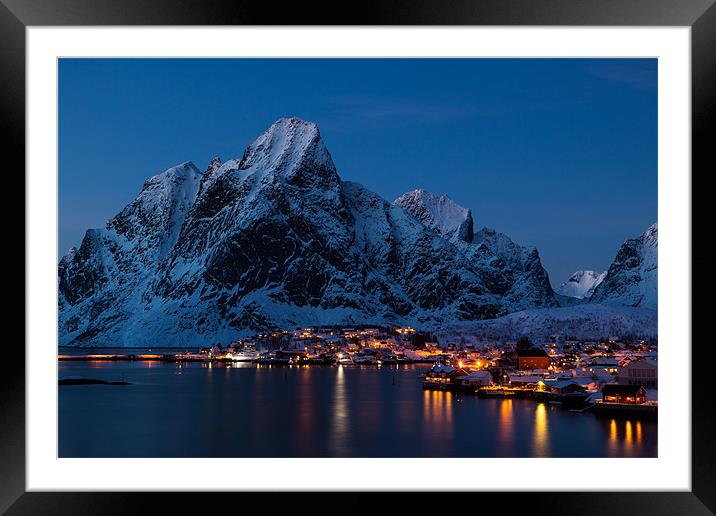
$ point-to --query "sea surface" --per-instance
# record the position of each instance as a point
(245, 410)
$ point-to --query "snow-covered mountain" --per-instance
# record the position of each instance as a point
(632, 278)
(276, 239)
(581, 284)
(508, 269)
(103, 284)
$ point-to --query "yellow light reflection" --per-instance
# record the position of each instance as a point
(613, 444)
(438, 411)
(540, 446)
(638, 433)
(506, 422)
(448, 408)
(506, 417)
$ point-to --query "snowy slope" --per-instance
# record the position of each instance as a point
(632, 278)
(102, 285)
(586, 321)
(581, 284)
(439, 213)
(569, 300)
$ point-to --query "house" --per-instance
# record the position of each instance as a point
(524, 381)
(561, 387)
(475, 379)
(605, 361)
(603, 364)
(594, 372)
(588, 384)
(639, 372)
(443, 377)
(631, 394)
(532, 358)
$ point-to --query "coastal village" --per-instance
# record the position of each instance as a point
(611, 375)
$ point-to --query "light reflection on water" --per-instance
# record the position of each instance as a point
(626, 438)
(196, 409)
(506, 428)
(340, 421)
(540, 444)
(438, 411)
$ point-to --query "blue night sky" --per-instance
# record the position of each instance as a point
(560, 154)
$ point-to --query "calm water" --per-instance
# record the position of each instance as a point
(197, 410)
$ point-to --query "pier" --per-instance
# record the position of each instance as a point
(144, 357)
(649, 408)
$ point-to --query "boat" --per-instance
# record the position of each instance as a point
(273, 361)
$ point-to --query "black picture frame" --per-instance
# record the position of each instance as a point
(700, 15)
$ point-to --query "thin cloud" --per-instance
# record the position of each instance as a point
(395, 109)
(640, 76)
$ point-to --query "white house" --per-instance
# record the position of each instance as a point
(476, 379)
(639, 372)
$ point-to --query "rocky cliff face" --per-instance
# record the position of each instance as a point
(276, 239)
(632, 278)
(508, 270)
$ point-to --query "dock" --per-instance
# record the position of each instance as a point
(144, 357)
(642, 409)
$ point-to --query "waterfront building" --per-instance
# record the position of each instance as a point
(524, 381)
(476, 379)
(631, 394)
(561, 387)
(443, 377)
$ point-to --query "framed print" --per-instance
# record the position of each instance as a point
(413, 250)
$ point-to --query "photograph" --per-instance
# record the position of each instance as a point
(357, 257)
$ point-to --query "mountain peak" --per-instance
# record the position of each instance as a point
(651, 236)
(183, 169)
(439, 213)
(210, 174)
(169, 183)
(295, 122)
(581, 284)
(158, 211)
(68, 257)
(288, 145)
(214, 164)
